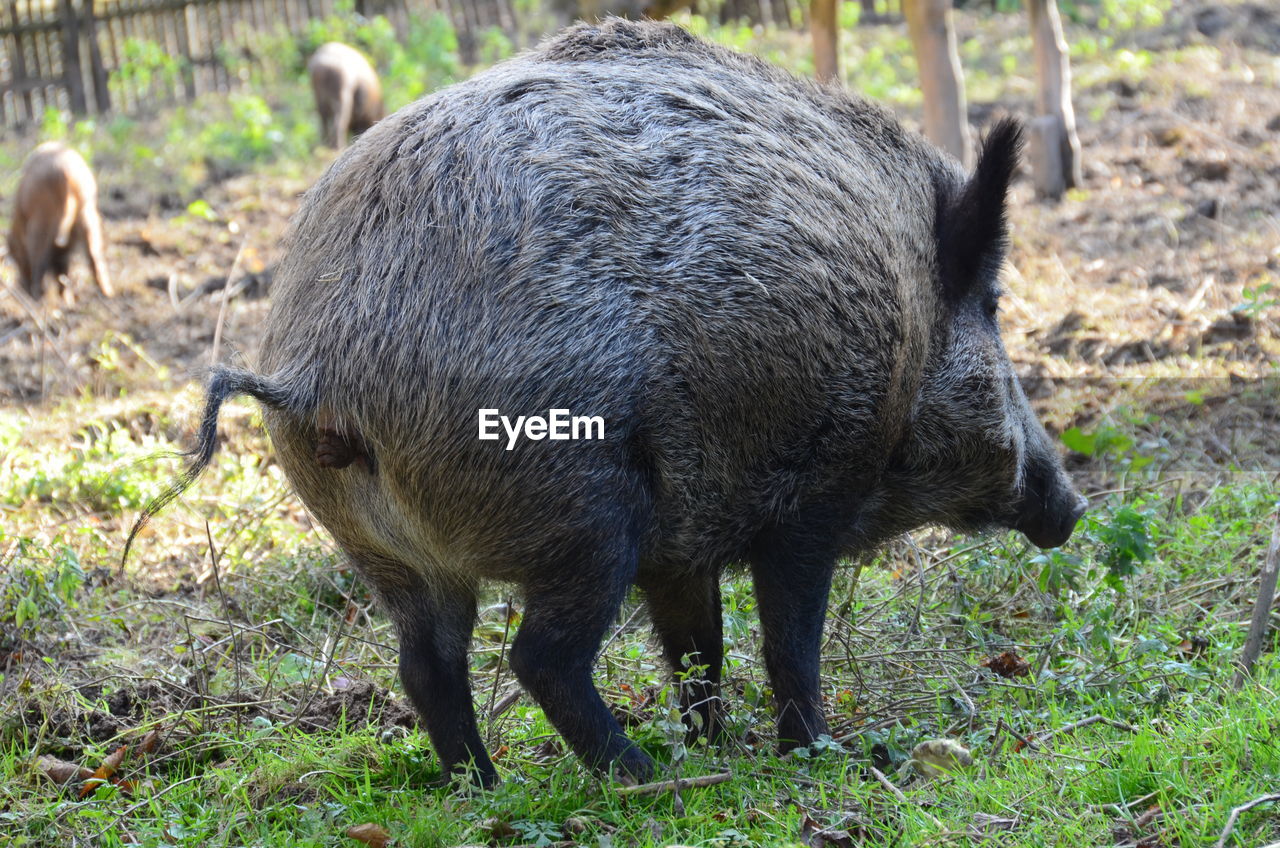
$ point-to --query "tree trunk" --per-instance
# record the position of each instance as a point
(934, 41)
(826, 40)
(1054, 147)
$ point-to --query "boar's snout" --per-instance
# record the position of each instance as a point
(1049, 507)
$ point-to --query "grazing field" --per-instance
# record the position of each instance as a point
(233, 684)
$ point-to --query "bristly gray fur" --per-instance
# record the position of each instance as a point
(781, 303)
(735, 267)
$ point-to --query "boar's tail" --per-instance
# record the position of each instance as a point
(223, 383)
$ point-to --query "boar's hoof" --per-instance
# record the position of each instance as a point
(632, 767)
(466, 779)
(338, 450)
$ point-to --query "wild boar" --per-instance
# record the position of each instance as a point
(348, 94)
(56, 212)
(781, 304)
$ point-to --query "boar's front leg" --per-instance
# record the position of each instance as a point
(566, 617)
(686, 616)
(434, 623)
(792, 575)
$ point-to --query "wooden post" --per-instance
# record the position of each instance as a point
(1261, 620)
(112, 26)
(466, 33)
(72, 73)
(824, 25)
(1053, 146)
(19, 60)
(187, 40)
(97, 71)
(933, 39)
(45, 47)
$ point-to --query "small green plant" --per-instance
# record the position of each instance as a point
(849, 15)
(1109, 442)
(1117, 15)
(1126, 545)
(59, 125)
(147, 69)
(40, 583)
(1059, 571)
(537, 833)
(1257, 300)
(201, 208)
(1132, 14)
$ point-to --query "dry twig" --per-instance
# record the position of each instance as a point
(227, 294)
(1235, 814)
(1085, 722)
(661, 786)
(897, 793)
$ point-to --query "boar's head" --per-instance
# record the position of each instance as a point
(975, 455)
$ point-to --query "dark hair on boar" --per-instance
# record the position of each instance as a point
(780, 303)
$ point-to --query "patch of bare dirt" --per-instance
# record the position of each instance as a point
(172, 270)
(361, 704)
(1132, 295)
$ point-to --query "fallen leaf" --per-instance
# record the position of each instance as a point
(104, 772)
(149, 742)
(373, 835)
(1153, 812)
(814, 835)
(1008, 664)
(62, 772)
(1193, 646)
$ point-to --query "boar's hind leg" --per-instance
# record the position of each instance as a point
(434, 624)
(97, 254)
(686, 617)
(565, 619)
(39, 249)
(60, 266)
(792, 581)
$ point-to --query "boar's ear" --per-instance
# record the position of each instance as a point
(973, 230)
